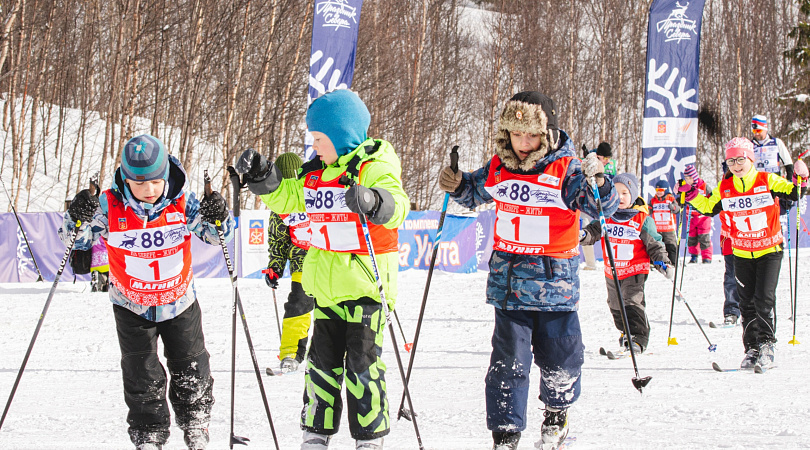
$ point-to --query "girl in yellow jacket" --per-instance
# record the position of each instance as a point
(748, 197)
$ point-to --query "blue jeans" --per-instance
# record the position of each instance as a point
(731, 307)
(554, 339)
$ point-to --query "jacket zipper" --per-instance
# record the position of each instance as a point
(365, 269)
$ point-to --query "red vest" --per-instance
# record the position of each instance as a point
(150, 263)
(754, 216)
(532, 218)
(663, 216)
(334, 226)
(298, 227)
(629, 251)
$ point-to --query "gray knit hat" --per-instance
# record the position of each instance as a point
(629, 180)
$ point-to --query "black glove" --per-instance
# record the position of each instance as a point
(83, 206)
(362, 200)
(375, 203)
(271, 278)
(260, 175)
(213, 208)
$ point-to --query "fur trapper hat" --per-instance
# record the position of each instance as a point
(530, 112)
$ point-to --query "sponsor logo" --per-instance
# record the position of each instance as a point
(548, 179)
(662, 126)
(174, 217)
(759, 189)
(677, 26)
(145, 286)
(336, 13)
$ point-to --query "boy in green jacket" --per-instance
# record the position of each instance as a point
(352, 175)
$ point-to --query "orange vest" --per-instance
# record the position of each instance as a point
(629, 251)
(532, 218)
(663, 216)
(334, 226)
(150, 263)
(754, 216)
(298, 227)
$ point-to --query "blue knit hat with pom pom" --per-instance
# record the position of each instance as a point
(144, 159)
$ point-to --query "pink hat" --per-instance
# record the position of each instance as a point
(740, 147)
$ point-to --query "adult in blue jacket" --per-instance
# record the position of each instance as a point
(539, 187)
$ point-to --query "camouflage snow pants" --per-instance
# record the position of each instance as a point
(348, 335)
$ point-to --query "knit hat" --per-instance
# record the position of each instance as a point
(759, 122)
(604, 150)
(690, 171)
(289, 163)
(740, 147)
(662, 184)
(144, 159)
(629, 180)
(342, 117)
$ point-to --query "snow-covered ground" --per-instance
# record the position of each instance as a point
(71, 397)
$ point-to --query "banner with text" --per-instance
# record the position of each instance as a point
(669, 134)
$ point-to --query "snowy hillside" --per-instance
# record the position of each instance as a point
(71, 394)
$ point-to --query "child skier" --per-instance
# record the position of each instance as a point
(636, 244)
(288, 240)
(538, 186)
(349, 319)
(146, 220)
(700, 226)
(756, 239)
(664, 210)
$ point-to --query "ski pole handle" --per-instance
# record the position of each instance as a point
(454, 159)
(236, 184)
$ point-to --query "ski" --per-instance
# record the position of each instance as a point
(619, 354)
(273, 373)
(716, 367)
(761, 369)
(721, 325)
(567, 442)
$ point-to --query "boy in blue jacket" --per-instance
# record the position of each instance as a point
(539, 186)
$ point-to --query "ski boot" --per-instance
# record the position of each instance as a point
(315, 441)
(766, 354)
(370, 444)
(730, 319)
(505, 440)
(707, 261)
(196, 438)
(693, 259)
(555, 429)
(750, 360)
(149, 446)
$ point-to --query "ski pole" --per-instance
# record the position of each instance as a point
(454, 166)
(712, 347)
(671, 340)
(387, 312)
(790, 267)
(638, 382)
(407, 345)
(70, 242)
(794, 341)
(233, 275)
(30, 250)
(275, 303)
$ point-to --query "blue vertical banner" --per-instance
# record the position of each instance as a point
(669, 136)
(334, 43)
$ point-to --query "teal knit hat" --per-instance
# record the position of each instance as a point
(342, 117)
(145, 159)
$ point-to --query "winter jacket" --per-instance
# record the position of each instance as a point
(649, 235)
(537, 282)
(778, 186)
(89, 233)
(334, 277)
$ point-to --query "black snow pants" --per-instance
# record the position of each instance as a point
(191, 386)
